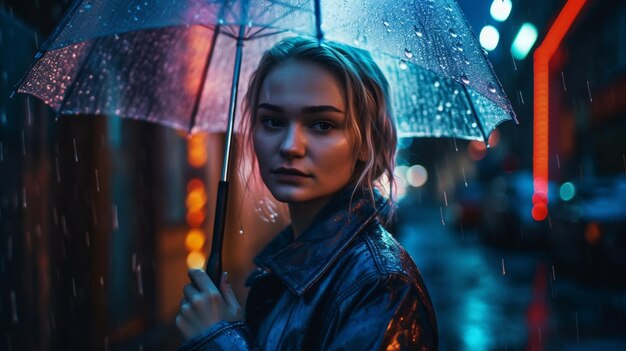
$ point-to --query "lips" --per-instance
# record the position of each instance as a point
(289, 171)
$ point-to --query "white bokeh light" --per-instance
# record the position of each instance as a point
(500, 9)
(417, 176)
(489, 38)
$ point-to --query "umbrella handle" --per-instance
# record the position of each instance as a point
(214, 263)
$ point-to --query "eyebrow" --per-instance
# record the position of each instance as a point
(307, 109)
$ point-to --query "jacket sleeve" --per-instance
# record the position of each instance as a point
(233, 336)
(382, 313)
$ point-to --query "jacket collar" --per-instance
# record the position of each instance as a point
(300, 262)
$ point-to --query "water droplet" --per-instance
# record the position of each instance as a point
(437, 84)
(474, 125)
(417, 32)
(408, 53)
(491, 87)
(464, 79)
(386, 23)
(452, 33)
(403, 65)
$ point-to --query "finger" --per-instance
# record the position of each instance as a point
(183, 301)
(202, 281)
(190, 291)
(227, 291)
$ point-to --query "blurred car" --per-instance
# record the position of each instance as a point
(588, 236)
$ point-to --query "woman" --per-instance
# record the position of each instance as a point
(318, 117)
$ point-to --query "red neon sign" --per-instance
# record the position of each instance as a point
(542, 57)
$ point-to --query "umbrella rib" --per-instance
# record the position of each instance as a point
(205, 71)
(50, 39)
(271, 24)
(480, 125)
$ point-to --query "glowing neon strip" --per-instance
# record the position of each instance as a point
(542, 57)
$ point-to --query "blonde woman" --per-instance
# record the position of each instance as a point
(319, 121)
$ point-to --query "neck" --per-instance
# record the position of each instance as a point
(302, 213)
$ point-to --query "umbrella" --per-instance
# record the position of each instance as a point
(172, 62)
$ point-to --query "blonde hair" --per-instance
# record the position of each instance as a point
(371, 125)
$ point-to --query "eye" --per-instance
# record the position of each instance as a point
(272, 122)
(323, 126)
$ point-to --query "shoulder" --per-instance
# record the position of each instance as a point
(376, 257)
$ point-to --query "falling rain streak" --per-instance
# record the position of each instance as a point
(29, 120)
(503, 268)
(558, 161)
(24, 201)
(57, 169)
(589, 92)
(563, 80)
(514, 64)
(97, 181)
(445, 198)
(139, 280)
(464, 179)
(443, 222)
(1, 153)
(13, 307)
(115, 220)
(521, 97)
(75, 151)
(553, 273)
(23, 143)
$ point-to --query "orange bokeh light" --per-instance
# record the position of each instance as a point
(194, 184)
(195, 218)
(196, 150)
(195, 260)
(593, 234)
(196, 199)
(477, 150)
(195, 240)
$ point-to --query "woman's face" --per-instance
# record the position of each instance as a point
(300, 134)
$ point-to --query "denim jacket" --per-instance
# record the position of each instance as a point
(344, 284)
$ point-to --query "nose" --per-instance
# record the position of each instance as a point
(294, 143)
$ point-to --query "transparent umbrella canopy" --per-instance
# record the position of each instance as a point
(173, 61)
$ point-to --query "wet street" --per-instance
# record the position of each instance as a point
(490, 298)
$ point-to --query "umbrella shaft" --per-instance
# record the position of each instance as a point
(233, 102)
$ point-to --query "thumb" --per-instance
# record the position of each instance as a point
(227, 291)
